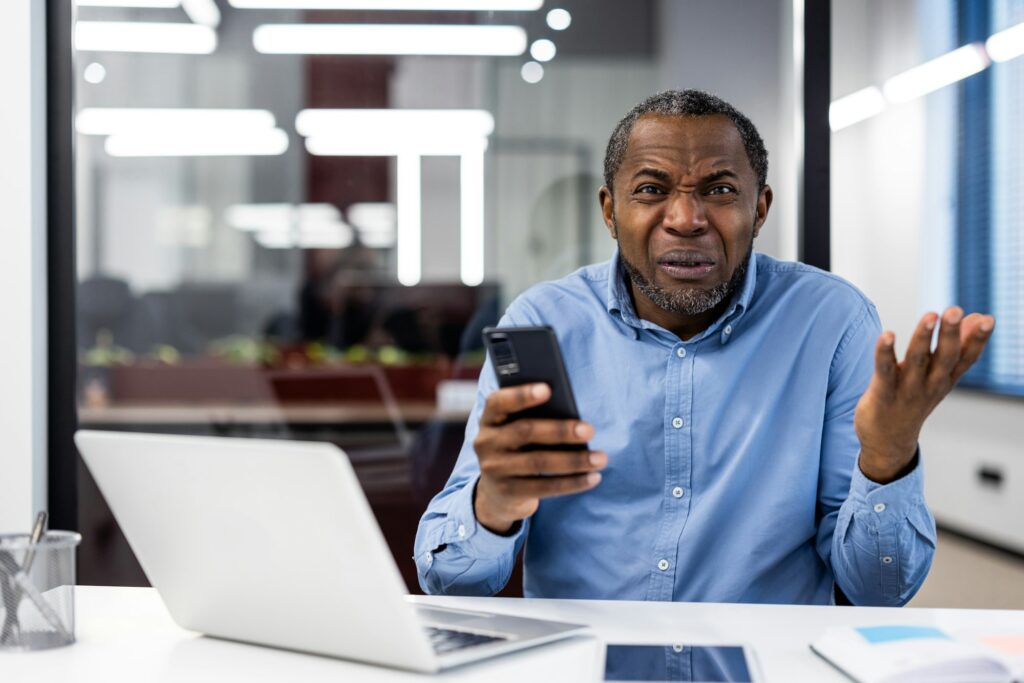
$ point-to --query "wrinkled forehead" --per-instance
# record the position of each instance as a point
(687, 144)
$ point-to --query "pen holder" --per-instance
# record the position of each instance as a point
(37, 598)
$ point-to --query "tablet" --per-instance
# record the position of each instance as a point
(704, 663)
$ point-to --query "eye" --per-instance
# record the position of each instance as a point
(648, 189)
(722, 189)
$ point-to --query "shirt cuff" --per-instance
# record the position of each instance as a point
(462, 529)
(894, 500)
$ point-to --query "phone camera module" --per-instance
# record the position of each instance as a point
(505, 358)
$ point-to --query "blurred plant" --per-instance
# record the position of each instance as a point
(238, 349)
(106, 354)
(319, 353)
(166, 354)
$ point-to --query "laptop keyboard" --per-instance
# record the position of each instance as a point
(445, 640)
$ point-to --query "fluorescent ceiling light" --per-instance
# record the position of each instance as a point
(372, 216)
(937, 73)
(429, 5)
(559, 19)
(1007, 44)
(271, 142)
(385, 122)
(855, 107)
(111, 121)
(154, 4)
(203, 12)
(265, 217)
(323, 236)
(139, 36)
(389, 39)
(471, 232)
(393, 132)
(409, 220)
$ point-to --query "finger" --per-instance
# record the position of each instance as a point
(974, 334)
(536, 463)
(914, 368)
(546, 487)
(515, 435)
(886, 368)
(503, 402)
(947, 350)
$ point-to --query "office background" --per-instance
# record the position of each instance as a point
(272, 293)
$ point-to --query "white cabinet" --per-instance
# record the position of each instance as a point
(973, 449)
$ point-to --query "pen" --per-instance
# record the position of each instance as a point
(37, 534)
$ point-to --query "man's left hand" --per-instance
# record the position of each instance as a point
(892, 411)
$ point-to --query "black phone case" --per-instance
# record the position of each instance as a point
(536, 358)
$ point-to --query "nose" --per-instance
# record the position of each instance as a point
(685, 214)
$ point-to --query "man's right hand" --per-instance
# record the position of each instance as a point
(513, 481)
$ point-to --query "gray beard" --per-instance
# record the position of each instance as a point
(689, 300)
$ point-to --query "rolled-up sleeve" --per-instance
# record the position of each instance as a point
(878, 540)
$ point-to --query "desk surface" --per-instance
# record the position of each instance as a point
(126, 634)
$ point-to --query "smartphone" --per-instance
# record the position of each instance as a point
(524, 355)
(710, 664)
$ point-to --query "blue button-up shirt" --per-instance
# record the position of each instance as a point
(732, 459)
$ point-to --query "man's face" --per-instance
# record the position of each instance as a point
(685, 210)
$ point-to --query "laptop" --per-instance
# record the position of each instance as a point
(273, 542)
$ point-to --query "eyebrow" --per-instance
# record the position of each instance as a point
(718, 175)
(661, 175)
(665, 177)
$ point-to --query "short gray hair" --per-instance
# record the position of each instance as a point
(692, 103)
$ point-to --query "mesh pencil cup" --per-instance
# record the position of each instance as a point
(37, 584)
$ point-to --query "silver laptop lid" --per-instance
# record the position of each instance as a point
(263, 541)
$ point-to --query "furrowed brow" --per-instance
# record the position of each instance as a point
(718, 175)
(656, 173)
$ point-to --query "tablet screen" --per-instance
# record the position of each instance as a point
(677, 663)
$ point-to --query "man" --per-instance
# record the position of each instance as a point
(755, 438)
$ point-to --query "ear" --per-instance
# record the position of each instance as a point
(764, 202)
(604, 198)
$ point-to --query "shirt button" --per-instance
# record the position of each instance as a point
(677, 648)
(662, 565)
(886, 560)
(681, 352)
(728, 329)
(677, 492)
(462, 531)
(430, 559)
(677, 422)
(880, 507)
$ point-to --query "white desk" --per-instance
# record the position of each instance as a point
(125, 634)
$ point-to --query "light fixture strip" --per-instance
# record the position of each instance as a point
(390, 39)
(140, 36)
(1006, 44)
(203, 12)
(936, 73)
(272, 142)
(471, 223)
(855, 107)
(409, 219)
(145, 4)
(389, 5)
(117, 120)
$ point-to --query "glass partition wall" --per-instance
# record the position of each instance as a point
(295, 217)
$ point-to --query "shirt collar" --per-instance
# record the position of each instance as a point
(618, 302)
